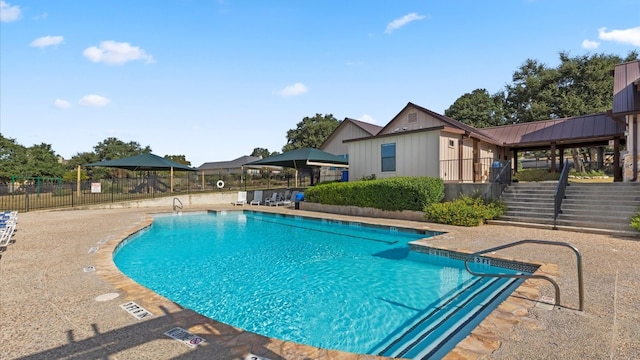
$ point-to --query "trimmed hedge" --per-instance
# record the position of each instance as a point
(394, 194)
(464, 211)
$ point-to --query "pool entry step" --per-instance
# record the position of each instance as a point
(435, 332)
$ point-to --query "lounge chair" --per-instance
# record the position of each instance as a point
(7, 228)
(242, 198)
(257, 197)
(273, 200)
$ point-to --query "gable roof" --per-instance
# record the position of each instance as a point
(469, 130)
(370, 129)
(571, 130)
(626, 88)
(233, 164)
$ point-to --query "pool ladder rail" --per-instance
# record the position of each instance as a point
(473, 256)
(177, 204)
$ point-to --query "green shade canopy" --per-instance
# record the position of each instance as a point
(143, 162)
(302, 158)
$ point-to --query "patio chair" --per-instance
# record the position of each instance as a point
(257, 197)
(7, 228)
(242, 198)
(273, 200)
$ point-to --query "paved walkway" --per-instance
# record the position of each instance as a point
(50, 308)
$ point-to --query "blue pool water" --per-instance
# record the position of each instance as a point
(329, 284)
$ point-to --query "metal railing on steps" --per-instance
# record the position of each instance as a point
(533, 276)
(559, 194)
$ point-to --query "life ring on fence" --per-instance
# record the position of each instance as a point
(220, 184)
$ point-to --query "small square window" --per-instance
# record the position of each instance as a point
(452, 143)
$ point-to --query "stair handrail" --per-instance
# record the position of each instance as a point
(559, 194)
(177, 206)
(501, 181)
(533, 276)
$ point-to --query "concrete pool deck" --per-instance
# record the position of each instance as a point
(50, 308)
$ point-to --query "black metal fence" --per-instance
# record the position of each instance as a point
(29, 194)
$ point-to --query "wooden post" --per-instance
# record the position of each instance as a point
(172, 179)
(78, 181)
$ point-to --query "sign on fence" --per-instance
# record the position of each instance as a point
(96, 187)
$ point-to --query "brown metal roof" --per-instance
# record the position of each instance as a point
(372, 129)
(626, 89)
(470, 130)
(573, 130)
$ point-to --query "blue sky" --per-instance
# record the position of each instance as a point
(212, 80)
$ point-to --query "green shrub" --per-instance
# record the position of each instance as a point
(536, 175)
(464, 211)
(635, 221)
(394, 194)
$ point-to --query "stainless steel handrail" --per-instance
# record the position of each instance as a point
(533, 276)
(176, 206)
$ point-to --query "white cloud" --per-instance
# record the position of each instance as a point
(398, 23)
(61, 104)
(367, 118)
(116, 53)
(293, 90)
(48, 40)
(94, 100)
(590, 44)
(9, 13)
(627, 36)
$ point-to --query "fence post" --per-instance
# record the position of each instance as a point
(26, 201)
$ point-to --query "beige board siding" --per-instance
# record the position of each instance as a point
(336, 145)
(402, 121)
(417, 154)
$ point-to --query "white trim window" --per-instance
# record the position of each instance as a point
(388, 158)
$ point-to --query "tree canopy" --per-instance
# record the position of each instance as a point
(113, 148)
(180, 159)
(263, 152)
(478, 109)
(579, 85)
(311, 132)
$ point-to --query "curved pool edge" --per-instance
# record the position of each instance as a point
(486, 338)
(234, 343)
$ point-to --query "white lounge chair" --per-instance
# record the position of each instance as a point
(7, 228)
(257, 197)
(242, 198)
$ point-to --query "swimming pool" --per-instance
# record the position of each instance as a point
(337, 285)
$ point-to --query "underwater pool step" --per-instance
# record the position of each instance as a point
(424, 337)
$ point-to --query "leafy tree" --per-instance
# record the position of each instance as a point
(530, 97)
(478, 109)
(113, 148)
(578, 86)
(87, 158)
(43, 161)
(311, 132)
(13, 159)
(262, 152)
(180, 159)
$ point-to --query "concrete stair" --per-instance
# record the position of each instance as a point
(606, 207)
